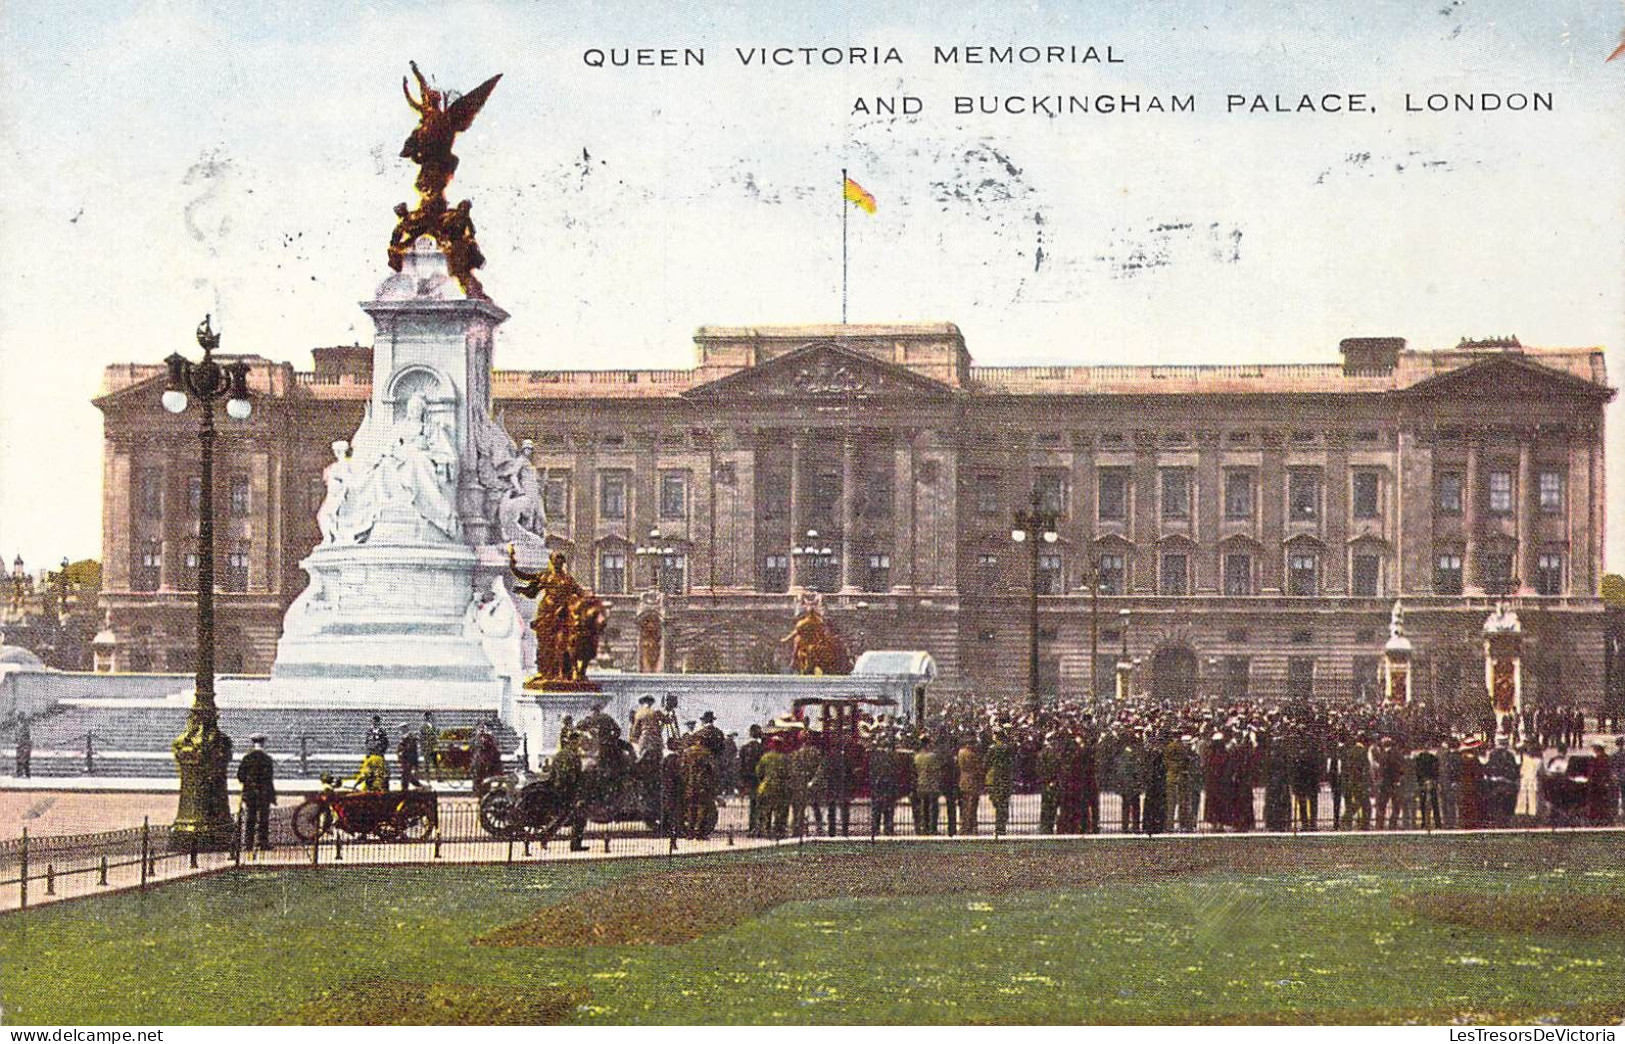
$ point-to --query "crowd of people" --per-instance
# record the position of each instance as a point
(1221, 767)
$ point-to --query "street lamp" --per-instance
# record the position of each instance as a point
(1123, 664)
(19, 579)
(203, 753)
(1091, 577)
(654, 552)
(62, 592)
(807, 553)
(1034, 527)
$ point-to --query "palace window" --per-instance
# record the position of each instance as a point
(1113, 575)
(1175, 577)
(1302, 574)
(150, 493)
(1238, 575)
(1366, 500)
(149, 567)
(1551, 492)
(825, 496)
(1303, 494)
(612, 572)
(1238, 495)
(1447, 493)
(823, 572)
(674, 574)
(239, 498)
(987, 495)
(1365, 575)
(775, 494)
(1176, 494)
(1447, 574)
(878, 577)
(875, 493)
(1112, 503)
(1499, 578)
(987, 570)
(556, 497)
(1500, 492)
(194, 495)
(1105, 671)
(776, 574)
(1050, 576)
(673, 495)
(612, 495)
(1549, 574)
(1051, 489)
(1367, 677)
(237, 568)
(1300, 677)
(1238, 672)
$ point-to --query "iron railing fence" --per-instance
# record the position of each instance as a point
(34, 869)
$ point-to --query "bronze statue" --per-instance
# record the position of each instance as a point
(429, 146)
(569, 623)
(816, 648)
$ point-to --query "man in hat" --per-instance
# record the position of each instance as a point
(1599, 791)
(1616, 761)
(648, 725)
(1176, 767)
(750, 754)
(377, 741)
(887, 783)
(428, 744)
(1001, 773)
(773, 788)
(257, 773)
(1390, 767)
(602, 727)
(711, 738)
(406, 757)
(928, 780)
(25, 748)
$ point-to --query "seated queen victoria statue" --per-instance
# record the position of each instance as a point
(423, 465)
(405, 475)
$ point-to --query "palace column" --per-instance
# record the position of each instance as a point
(848, 503)
(1526, 529)
(795, 512)
(1469, 520)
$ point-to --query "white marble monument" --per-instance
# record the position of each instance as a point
(405, 605)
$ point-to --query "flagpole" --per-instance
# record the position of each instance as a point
(842, 198)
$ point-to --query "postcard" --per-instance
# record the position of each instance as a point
(637, 514)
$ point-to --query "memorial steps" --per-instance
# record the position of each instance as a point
(132, 738)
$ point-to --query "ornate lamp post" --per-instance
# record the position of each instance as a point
(804, 555)
(1124, 665)
(655, 553)
(1091, 577)
(1035, 527)
(203, 752)
(19, 582)
(62, 592)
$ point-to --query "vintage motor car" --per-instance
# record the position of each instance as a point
(388, 815)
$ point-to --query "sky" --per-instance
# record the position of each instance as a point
(169, 159)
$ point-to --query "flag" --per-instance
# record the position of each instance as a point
(859, 196)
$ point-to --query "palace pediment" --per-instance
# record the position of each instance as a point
(1506, 379)
(822, 372)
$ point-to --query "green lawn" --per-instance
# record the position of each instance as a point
(1288, 946)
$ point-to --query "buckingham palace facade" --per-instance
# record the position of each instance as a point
(1237, 529)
